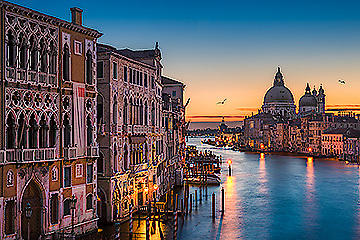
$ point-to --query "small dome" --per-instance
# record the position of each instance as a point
(278, 94)
(308, 100)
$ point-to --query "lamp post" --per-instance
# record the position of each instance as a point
(73, 201)
(28, 213)
(229, 162)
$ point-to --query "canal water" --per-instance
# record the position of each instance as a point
(271, 197)
(279, 197)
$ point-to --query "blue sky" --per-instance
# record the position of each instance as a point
(230, 49)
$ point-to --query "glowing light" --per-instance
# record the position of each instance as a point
(310, 149)
(347, 162)
(262, 155)
(146, 190)
(229, 162)
(310, 159)
(156, 187)
(262, 146)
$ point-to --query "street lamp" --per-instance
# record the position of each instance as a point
(28, 213)
(73, 201)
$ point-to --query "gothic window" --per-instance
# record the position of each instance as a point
(67, 131)
(54, 208)
(146, 114)
(131, 75)
(10, 217)
(52, 132)
(89, 202)
(43, 56)
(115, 110)
(88, 67)
(10, 132)
(52, 58)
(66, 63)
(131, 111)
(100, 163)
(21, 132)
(23, 51)
(100, 69)
(125, 115)
(115, 157)
(100, 108)
(126, 158)
(67, 207)
(11, 50)
(153, 115)
(33, 132)
(33, 54)
(43, 134)
(10, 178)
(89, 132)
(146, 153)
(141, 113)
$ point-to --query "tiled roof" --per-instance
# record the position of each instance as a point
(167, 80)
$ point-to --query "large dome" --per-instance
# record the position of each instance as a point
(278, 94)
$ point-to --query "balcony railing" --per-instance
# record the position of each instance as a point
(28, 155)
(93, 151)
(69, 153)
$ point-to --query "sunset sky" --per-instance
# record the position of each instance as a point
(231, 49)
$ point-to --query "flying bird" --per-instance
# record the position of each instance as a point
(341, 81)
(222, 103)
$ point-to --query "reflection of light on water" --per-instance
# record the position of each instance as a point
(262, 174)
(310, 206)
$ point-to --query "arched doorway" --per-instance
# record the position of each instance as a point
(32, 195)
(101, 208)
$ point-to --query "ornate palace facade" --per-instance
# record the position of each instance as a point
(47, 129)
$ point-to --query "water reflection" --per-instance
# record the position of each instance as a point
(262, 174)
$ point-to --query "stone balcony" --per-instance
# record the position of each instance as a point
(30, 76)
(70, 153)
(28, 155)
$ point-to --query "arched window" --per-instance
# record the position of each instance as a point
(66, 63)
(11, 50)
(115, 111)
(126, 156)
(52, 132)
(10, 178)
(21, 132)
(43, 56)
(131, 111)
(115, 157)
(43, 134)
(89, 131)
(146, 114)
(10, 217)
(52, 58)
(23, 52)
(67, 207)
(67, 131)
(33, 132)
(146, 153)
(33, 54)
(141, 113)
(100, 108)
(153, 115)
(89, 202)
(125, 115)
(10, 132)
(89, 72)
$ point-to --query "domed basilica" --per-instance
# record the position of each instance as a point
(279, 100)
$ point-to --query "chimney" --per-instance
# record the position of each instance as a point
(76, 15)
